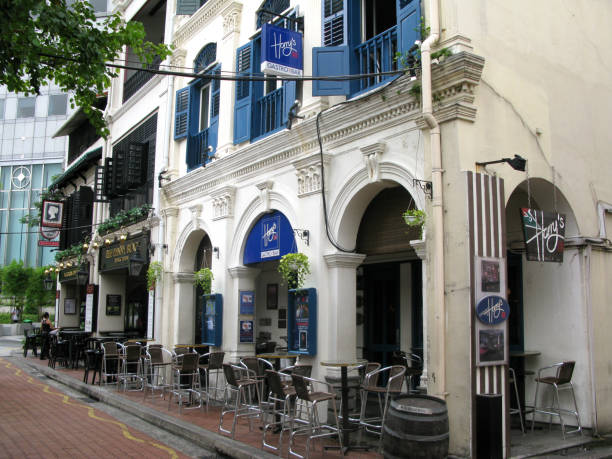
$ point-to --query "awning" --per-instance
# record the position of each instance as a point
(85, 162)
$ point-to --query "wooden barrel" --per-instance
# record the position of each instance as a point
(416, 427)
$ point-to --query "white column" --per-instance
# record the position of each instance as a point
(184, 308)
(337, 321)
(244, 278)
(419, 247)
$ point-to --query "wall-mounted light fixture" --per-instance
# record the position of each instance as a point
(152, 249)
(216, 251)
(47, 281)
(61, 265)
(135, 266)
(82, 275)
(108, 240)
(123, 236)
(303, 234)
(517, 163)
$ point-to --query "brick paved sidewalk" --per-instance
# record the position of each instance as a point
(40, 421)
(210, 420)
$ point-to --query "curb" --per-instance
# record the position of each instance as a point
(197, 435)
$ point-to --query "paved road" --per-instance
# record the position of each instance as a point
(42, 418)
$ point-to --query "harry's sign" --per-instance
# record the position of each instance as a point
(281, 51)
(544, 235)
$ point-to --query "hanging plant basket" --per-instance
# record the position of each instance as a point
(416, 218)
(294, 267)
(154, 274)
(203, 278)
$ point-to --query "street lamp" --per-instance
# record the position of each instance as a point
(48, 283)
(136, 265)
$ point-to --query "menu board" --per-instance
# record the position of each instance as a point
(212, 319)
(302, 330)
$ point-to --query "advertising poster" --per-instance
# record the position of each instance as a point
(247, 302)
(302, 318)
(246, 331)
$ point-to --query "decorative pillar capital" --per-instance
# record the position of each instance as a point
(178, 56)
(344, 260)
(223, 202)
(183, 278)
(309, 174)
(243, 272)
(231, 19)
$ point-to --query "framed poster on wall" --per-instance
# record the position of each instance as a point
(113, 305)
(247, 302)
(69, 306)
(246, 331)
(272, 296)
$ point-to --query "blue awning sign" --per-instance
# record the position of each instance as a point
(270, 238)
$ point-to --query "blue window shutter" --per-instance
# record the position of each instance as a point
(408, 21)
(244, 93)
(181, 113)
(193, 124)
(334, 22)
(289, 96)
(215, 100)
(330, 61)
(187, 6)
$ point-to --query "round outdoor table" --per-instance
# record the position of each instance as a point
(518, 363)
(344, 364)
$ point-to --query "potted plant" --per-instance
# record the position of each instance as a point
(203, 278)
(415, 217)
(294, 267)
(154, 274)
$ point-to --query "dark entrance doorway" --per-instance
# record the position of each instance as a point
(382, 311)
(136, 307)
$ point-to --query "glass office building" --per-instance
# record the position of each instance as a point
(29, 158)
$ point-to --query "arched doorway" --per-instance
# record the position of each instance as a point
(389, 283)
(547, 322)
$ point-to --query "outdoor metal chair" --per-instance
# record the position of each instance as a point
(110, 362)
(238, 381)
(156, 369)
(186, 381)
(279, 406)
(210, 364)
(559, 377)
(131, 373)
(307, 390)
(395, 376)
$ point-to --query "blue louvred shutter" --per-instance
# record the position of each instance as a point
(289, 97)
(187, 6)
(193, 155)
(245, 56)
(181, 113)
(333, 58)
(215, 101)
(408, 21)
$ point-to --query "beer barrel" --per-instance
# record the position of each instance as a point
(416, 427)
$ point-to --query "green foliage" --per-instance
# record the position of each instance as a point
(415, 90)
(5, 317)
(154, 274)
(124, 218)
(75, 250)
(203, 278)
(15, 279)
(36, 295)
(416, 218)
(441, 53)
(44, 40)
(294, 267)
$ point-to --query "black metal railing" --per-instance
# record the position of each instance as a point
(139, 79)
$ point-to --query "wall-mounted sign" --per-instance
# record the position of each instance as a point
(113, 305)
(247, 302)
(117, 255)
(49, 233)
(492, 310)
(281, 51)
(491, 346)
(544, 235)
(302, 326)
(270, 238)
(246, 331)
(212, 319)
(51, 215)
(69, 306)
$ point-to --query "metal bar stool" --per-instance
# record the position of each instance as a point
(561, 380)
(518, 410)
(239, 381)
